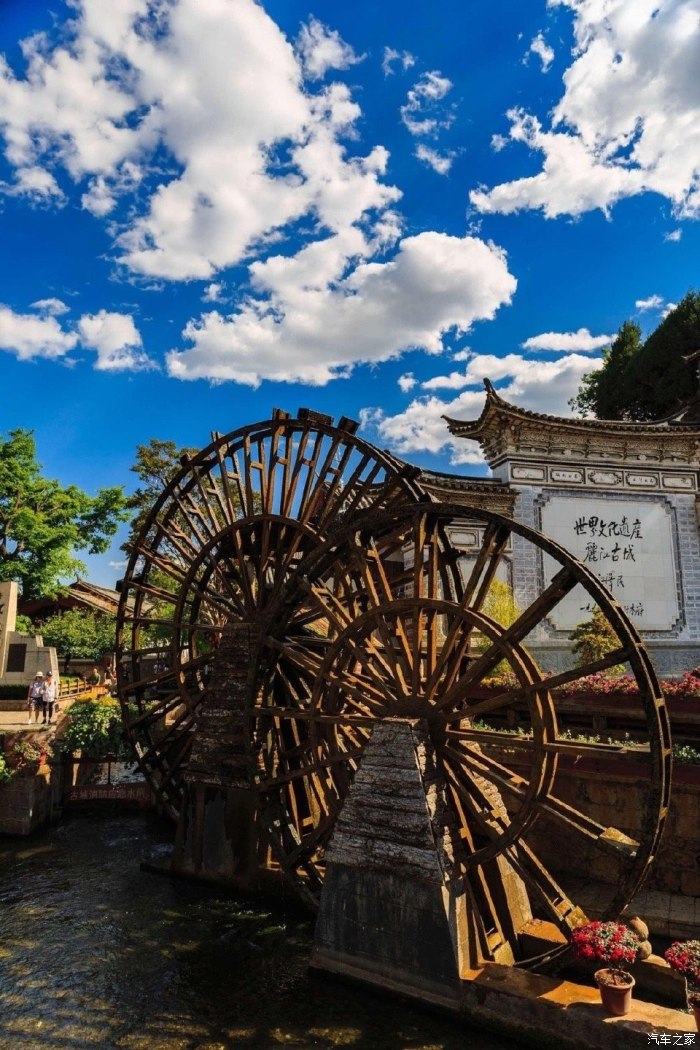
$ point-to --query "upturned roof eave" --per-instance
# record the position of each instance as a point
(496, 406)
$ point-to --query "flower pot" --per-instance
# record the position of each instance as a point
(696, 1015)
(615, 990)
(694, 1003)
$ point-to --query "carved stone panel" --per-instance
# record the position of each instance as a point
(628, 544)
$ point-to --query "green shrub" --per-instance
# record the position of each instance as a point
(594, 639)
(95, 729)
(5, 771)
(685, 754)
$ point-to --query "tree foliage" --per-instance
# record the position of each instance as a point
(604, 393)
(43, 523)
(75, 633)
(95, 728)
(594, 639)
(156, 463)
(659, 376)
(646, 380)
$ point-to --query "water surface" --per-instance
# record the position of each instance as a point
(96, 954)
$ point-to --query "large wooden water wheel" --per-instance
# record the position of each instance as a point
(366, 611)
(397, 624)
(219, 545)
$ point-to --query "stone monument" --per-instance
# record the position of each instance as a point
(21, 655)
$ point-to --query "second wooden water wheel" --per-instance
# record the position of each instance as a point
(397, 624)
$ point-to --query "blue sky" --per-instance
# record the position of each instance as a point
(213, 207)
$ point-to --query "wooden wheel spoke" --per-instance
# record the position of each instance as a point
(609, 839)
(558, 589)
(490, 820)
(390, 640)
(480, 765)
(485, 567)
(174, 732)
(307, 770)
(155, 711)
(526, 743)
(565, 914)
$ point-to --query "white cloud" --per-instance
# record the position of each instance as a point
(544, 52)
(218, 172)
(465, 354)
(322, 49)
(628, 121)
(581, 341)
(673, 235)
(422, 113)
(391, 56)
(439, 162)
(235, 166)
(117, 341)
(54, 307)
(213, 293)
(654, 302)
(118, 564)
(433, 284)
(407, 382)
(33, 182)
(113, 335)
(29, 336)
(453, 381)
(668, 308)
(541, 386)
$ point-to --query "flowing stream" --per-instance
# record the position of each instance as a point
(96, 954)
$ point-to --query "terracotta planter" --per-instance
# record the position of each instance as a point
(615, 990)
(694, 1003)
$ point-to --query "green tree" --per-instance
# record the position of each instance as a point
(85, 635)
(156, 463)
(646, 380)
(605, 393)
(659, 380)
(500, 604)
(593, 639)
(43, 523)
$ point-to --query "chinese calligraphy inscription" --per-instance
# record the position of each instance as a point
(628, 544)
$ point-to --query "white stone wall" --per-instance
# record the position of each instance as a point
(675, 645)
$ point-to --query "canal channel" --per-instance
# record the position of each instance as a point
(97, 954)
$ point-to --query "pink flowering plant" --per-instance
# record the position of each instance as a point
(612, 943)
(684, 956)
(603, 684)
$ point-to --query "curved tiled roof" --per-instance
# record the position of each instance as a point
(494, 403)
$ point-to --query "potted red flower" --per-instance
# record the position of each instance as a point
(684, 956)
(612, 943)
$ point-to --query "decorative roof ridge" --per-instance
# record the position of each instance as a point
(495, 401)
(461, 479)
(94, 587)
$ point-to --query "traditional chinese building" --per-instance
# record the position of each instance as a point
(81, 595)
(621, 496)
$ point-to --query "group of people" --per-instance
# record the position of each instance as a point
(42, 697)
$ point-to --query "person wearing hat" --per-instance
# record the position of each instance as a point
(35, 697)
(49, 696)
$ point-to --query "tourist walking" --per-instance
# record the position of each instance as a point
(94, 681)
(35, 696)
(49, 697)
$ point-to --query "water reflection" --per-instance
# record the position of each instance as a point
(96, 954)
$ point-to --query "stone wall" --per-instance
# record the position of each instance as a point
(614, 793)
(28, 800)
